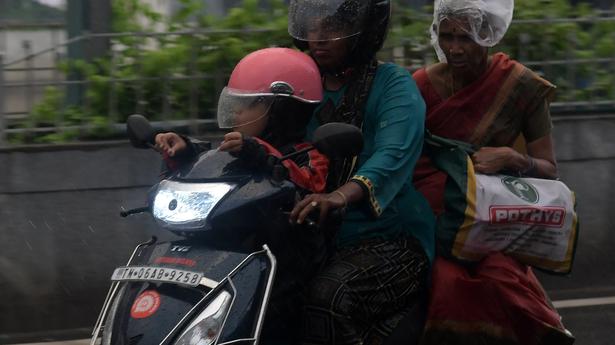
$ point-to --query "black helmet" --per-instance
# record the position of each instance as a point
(366, 21)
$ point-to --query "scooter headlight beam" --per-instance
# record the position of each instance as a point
(186, 205)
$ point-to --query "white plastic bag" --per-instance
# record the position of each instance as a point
(486, 21)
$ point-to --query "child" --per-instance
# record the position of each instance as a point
(268, 103)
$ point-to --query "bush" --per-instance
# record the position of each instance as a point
(167, 77)
(154, 72)
(533, 43)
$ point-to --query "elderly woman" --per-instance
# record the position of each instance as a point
(492, 102)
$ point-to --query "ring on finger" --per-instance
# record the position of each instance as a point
(314, 203)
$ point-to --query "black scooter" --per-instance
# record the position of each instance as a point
(216, 284)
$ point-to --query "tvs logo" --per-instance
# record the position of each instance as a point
(544, 216)
(145, 305)
(180, 249)
(521, 189)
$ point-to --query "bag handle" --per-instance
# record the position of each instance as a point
(441, 142)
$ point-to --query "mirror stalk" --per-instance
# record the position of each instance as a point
(278, 171)
(296, 153)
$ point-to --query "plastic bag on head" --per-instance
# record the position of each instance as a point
(486, 21)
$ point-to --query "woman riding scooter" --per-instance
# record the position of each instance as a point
(386, 239)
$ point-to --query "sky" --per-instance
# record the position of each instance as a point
(54, 3)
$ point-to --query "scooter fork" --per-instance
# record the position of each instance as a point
(113, 291)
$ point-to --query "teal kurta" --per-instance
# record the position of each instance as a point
(393, 128)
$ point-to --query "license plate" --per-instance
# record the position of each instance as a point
(157, 274)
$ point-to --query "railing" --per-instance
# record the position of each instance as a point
(576, 54)
(73, 88)
(93, 105)
(585, 76)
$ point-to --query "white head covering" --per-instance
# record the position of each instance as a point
(488, 20)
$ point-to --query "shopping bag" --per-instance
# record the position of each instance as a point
(533, 220)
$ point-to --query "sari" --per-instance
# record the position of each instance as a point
(507, 101)
(498, 300)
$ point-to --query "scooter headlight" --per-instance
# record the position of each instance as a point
(186, 205)
(206, 328)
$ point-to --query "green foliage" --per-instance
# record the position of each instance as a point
(532, 42)
(155, 72)
(565, 40)
(151, 74)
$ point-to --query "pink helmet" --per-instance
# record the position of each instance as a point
(260, 71)
(264, 74)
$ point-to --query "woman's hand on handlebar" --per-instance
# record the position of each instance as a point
(320, 203)
(170, 143)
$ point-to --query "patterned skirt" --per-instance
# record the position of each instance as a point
(364, 291)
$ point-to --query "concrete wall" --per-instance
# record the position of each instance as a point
(60, 230)
(61, 236)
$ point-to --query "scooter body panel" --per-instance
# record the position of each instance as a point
(171, 306)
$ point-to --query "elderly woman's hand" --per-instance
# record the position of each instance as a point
(490, 160)
(320, 203)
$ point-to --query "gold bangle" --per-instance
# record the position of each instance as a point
(343, 197)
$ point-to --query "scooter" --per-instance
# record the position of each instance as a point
(237, 253)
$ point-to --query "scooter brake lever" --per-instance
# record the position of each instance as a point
(125, 213)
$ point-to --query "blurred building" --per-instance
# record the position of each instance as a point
(27, 25)
(28, 11)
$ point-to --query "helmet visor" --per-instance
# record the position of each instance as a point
(326, 20)
(237, 108)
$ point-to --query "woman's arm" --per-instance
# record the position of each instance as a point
(539, 161)
(397, 128)
(348, 193)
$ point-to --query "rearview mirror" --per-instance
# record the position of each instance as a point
(338, 140)
(140, 132)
